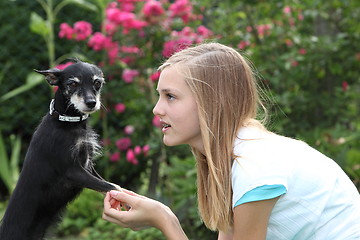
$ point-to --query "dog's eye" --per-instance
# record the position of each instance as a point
(73, 84)
(97, 85)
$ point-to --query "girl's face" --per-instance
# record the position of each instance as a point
(177, 110)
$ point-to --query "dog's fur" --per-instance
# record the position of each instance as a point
(58, 162)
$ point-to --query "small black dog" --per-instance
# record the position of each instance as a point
(58, 163)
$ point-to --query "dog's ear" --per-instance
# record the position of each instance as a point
(51, 75)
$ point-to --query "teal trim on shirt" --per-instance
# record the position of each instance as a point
(264, 192)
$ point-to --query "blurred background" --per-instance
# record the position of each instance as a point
(306, 55)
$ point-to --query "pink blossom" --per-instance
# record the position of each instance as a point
(302, 51)
(128, 75)
(153, 8)
(99, 42)
(249, 29)
(82, 30)
(110, 28)
(127, 5)
(113, 52)
(66, 31)
(294, 63)
(300, 17)
(120, 107)
(155, 76)
(115, 157)
(130, 49)
(156, 121)
(129, 129)
(146, 149)
(287, 10)
(130, 157)
(137, 150)
(123, 143)
(173, 46)
(243, 44)
(63, 66)
(181, 8)
(263, 30)
(345, 85)
(204, 32)
(288, 42)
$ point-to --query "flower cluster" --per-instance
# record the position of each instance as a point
(131, 32)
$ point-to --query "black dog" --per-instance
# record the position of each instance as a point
(58, 163)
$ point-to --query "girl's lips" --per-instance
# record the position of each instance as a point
(165, 126)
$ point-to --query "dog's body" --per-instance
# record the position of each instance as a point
(58, 162)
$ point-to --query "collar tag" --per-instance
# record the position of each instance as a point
(65, 118)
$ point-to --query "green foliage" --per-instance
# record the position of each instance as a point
(9, 166)
(83, 221)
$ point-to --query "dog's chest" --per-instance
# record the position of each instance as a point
(85, 147)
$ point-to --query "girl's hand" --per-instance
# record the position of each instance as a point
(130, 210)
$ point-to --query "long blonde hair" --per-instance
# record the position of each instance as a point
(226, 94)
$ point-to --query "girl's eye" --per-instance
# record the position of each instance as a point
(170, 96)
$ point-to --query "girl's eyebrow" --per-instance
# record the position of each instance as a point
(165, 90)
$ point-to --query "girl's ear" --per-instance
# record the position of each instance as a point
(51, 75)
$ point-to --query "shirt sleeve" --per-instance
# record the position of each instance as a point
(264, 192)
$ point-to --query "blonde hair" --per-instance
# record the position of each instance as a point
(226, 94)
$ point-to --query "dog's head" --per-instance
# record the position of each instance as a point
(80, 83)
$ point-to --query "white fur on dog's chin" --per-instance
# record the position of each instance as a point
(80, 105)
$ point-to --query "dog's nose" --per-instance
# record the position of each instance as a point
(90, 103)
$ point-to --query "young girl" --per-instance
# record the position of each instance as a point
(252, 184)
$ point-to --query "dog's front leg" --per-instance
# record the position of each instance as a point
(80, 177)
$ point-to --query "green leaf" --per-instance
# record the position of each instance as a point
(38, 25)
(14, 161)
(4, 164)
(32, 80)
(83, 4)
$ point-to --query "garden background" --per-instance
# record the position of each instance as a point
(307, 58)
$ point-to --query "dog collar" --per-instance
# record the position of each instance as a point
(65, 118)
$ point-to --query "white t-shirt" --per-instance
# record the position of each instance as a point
(320, 203)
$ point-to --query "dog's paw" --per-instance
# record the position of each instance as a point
(117, 187)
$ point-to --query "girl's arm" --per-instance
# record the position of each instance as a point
(251, 219)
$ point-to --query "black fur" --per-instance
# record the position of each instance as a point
(58, 162)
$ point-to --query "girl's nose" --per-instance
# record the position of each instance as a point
(157, 109)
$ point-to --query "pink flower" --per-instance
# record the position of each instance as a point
(263, 30)
(63, 66)
(155, 76)
(243, 44)
(204, 32)
(288, 42)
(345, 86)
(156, 121)
(174, 46)
(302, 51)
(130, 157)
(82, 30)
(129, 129)
(130, 49)
(128, 75)
(294, 63)
(137, 150)
(66, 31)
(287, 10)
(300, 17)
(99, 42)
(181, 8)
(153, 8)
(249, 29)
(123, 143)
(115, 157)
(120, 107)
(146, 149)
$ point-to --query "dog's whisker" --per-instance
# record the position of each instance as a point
(103, 107)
